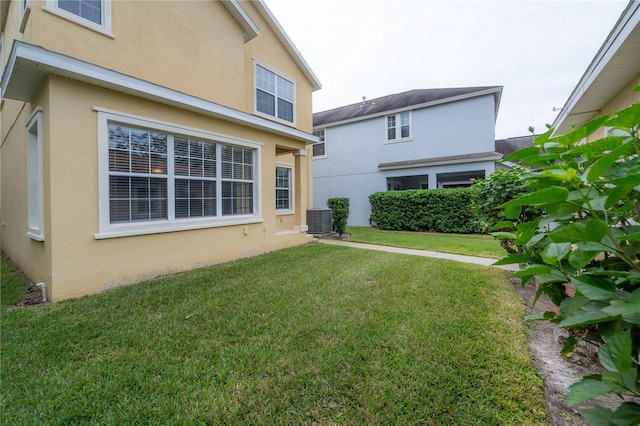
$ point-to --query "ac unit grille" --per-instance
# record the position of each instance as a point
(319, 221)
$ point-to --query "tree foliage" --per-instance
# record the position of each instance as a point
(584, 251)
(340, 213)
(501, 186)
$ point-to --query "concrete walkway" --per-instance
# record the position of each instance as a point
(424, 253)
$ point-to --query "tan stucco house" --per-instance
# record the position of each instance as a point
(140, 138)
(607, 83)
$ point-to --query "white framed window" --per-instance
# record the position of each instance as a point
(160, 177)
(398, 127)
(35, 195)
(613, 131)
(275, 94)
(284, 188)
(93, 14)
(319, 149)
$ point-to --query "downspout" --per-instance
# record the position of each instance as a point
(43, 288)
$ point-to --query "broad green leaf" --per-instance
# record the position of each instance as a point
(588, 389)
(505, 224)
(554, 194)
(531, 271)
(588, 246)
(513, 258)
(602, 165)
(627, 180)
(589, 314)
(618, 193)
(533, 241)
(554, 276)
(555, 252)
(555, 217)
(627, 413)
(571, 305)
(541, 316)
(626, 118)
(596, 147)
(629, 310)
(581, 132)
(580, 258)
(594, 288)
(615, 355)
(597, 415)
(512, 211)
(591, 230)
(632, 237)
(522, 153)
(504, 235)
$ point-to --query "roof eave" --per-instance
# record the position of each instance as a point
(441, 161)
(248, 26)
(29, 66)
(275, 26)
(587, 86)
(495, 91)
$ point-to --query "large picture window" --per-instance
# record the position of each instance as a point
(275, 94)
(161, 178)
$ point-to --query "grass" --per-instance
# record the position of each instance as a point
(315, 334)
(12, 283)
(466, 244)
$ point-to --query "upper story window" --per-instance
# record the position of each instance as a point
(399, 127)
(156, 177)
(275, 95)
(319, 148)
(93, 14)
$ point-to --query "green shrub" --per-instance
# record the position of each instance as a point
(437, 210)
(499, 187)
(340, 213)
(588, 241)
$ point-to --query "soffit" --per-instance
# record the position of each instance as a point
(29, 66)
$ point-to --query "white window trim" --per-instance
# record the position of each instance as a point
(324, 142)
(35, 191)
(255, 97)
(109, 230)
(51, 6)
(292, 190)
(1, 55)
(398, 128)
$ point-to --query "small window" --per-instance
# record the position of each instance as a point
(319, 148)
(283, 188)
(399, 127)
(93, 14)
(275, 95)
(35, 211)
(613, 131)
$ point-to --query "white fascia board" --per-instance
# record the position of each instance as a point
(248, 26)
(442, 163)
(43, 61)
(275, 26)
(493, 91)
(628, 20)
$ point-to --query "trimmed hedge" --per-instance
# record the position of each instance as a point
(340, 213)
(436, 210)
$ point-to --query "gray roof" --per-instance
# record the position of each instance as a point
(509, 145)
(398, 101)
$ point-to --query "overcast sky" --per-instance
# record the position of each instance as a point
(537, 50)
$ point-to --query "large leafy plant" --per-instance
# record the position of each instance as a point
(584, 250)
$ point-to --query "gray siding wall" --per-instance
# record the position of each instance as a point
(354, 151)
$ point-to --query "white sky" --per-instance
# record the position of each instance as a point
(537, 50)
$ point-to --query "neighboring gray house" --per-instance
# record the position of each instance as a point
(420, 139)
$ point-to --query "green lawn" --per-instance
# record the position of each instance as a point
(467, 244)
(315, 334)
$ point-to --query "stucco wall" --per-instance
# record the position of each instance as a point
(164, 41)
(623, 99)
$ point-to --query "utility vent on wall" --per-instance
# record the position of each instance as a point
(319, 221)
